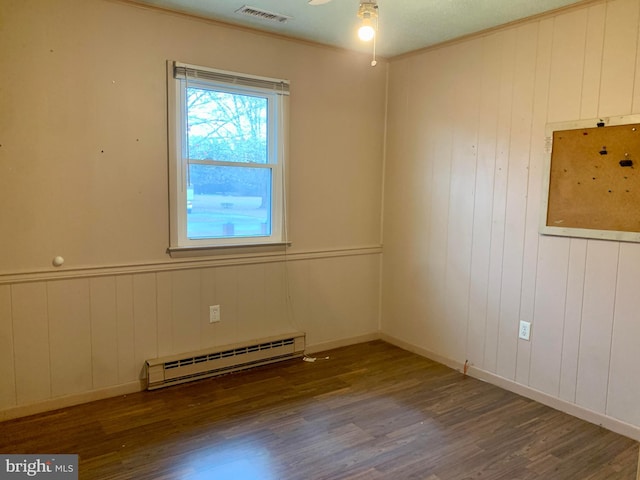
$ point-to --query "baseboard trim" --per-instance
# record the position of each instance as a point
(423, 352)
(610, 423)
(133, 387)
(596, 418)
(345, 342)
(70, 400)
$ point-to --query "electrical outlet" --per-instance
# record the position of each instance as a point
(214, 313)
(525, 330)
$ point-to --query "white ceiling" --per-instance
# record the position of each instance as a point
(404, 25)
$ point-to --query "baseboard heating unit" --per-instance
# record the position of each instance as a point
(175, 369)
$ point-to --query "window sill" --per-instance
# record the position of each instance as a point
(208, 251)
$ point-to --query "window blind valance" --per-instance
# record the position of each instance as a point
(194, 72)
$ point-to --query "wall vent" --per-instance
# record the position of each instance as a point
(262, 14)
(166, 371)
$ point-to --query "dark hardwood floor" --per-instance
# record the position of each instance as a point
(370, 411)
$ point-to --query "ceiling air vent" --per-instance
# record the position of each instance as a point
(262, 14)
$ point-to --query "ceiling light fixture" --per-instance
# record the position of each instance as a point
(368, 13)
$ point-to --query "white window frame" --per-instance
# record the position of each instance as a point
(179, 77)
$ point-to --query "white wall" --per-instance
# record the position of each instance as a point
(83, 174)
(463, 260)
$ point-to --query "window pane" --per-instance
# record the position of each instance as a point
(229, 202)
(226, 127)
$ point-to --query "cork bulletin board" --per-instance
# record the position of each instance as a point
(593, 179)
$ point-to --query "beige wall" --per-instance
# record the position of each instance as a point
(83, 174)
(463, 260)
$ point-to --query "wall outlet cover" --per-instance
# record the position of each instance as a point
(524, 333)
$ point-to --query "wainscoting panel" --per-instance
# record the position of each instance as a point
(7, 367)
(31, 343)
(68, 308)
(68, 339)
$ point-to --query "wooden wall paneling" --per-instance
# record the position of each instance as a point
(498, 214)
(69, 336)
(624, 389)
(397, 300)
(227, 296)
(7, 366)
(397, 144)
(127, 371)
(591, 52)
(356, 292)
(164, 312)
(366, 303)
(416, 164)
(546, 333)
(437, 243)
(340, 291)
(573, 318)
(31, 342)
(393, 263)
(185, 311)
(597, 322)
(590, 88)
(466, 105)
(619, 57)
(534, 192)
(324, 312)
(253, 321)
(145, 320)
(394, 223)
(565, 80)
(297, 285)
(592, 70)
(104, 331)
(207, 298)
(412, 217)
(487, 126)
(304, 292)
(591, 74)
(408, 192)
(567, 64)
(276, 301)
(516, 198)
(439, 155)
(342, 295)
(398, 106)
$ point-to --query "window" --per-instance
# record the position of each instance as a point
(226, 149)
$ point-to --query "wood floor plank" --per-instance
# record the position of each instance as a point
(369, 411)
